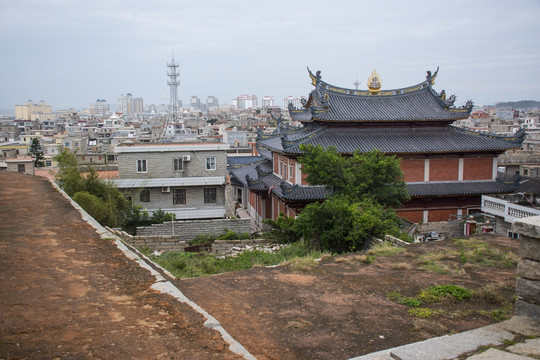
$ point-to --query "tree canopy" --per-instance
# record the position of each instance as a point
(361, 175)
(36, 152)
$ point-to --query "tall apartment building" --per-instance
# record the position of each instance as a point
(129, 105)
(195, 102)
(99, 107)
(267, 101)
(26, 111)
(295, 101)
(244, 102)
(211, 101)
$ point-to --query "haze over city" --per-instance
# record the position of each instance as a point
(71, 53)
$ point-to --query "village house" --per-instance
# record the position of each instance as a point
(187, 179)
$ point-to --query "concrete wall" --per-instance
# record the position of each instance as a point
(187, 230)
(528, 271)
(194, 197)
(160, 165)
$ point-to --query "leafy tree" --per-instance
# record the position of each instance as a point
(342, 223)
(37, 153)
(211, 121)
(361, 175)
(68, 176)
(114, 208)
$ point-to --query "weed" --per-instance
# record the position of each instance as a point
(420, 312)
(490, 293)
(410, 302)
(301, 264)
(369, 259)
(385, 249)
(508, 342)
(435, 293)
(435, 267)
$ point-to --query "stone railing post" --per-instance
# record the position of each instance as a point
(528, 271)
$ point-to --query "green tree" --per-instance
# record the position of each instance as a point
(102, 199)
(341, 223)
(361, 175)
(68, 176)
(36, 152)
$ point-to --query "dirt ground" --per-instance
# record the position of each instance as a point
(340, 310)
(65, 293)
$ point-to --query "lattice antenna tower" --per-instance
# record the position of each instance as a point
(173, 83)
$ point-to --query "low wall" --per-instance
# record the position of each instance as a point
(528, 270)
(225, 246)
(152, 242)
(186, 230)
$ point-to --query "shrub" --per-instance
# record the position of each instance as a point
(283, 229)
(94, 206)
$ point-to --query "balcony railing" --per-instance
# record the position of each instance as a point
(509, 211)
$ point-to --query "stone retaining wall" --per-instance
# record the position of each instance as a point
(225, 246)
(528, 271)
(186, 230)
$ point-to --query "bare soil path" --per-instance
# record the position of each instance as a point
(65, 293)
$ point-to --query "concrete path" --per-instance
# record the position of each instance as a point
(493, 342)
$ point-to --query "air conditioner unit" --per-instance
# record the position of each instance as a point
(186, 158)
(165, 189)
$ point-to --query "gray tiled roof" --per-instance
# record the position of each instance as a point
(457, 188)
(243, 160)
(329, 103)
(404, 141)
(301, 193)
(421, 105)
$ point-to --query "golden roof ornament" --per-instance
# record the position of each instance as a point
(374, 82)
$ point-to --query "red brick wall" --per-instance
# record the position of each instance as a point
(413, 169)
(411, 215)
(443, 169)
(478, 168)
(440, 215)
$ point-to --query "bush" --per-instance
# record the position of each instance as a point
(340, 224)
(94, 206)
(283, 229)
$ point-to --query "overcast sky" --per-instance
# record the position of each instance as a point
(70, 53)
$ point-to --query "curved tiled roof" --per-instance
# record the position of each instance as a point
(329, 103)
(405, 140)
(458, 188)
(420, 105)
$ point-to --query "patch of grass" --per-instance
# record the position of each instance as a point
(301, 264)
(403, 300)
(473, 251)
(490, 293)
(421, 312)
(186, 265)
(435, 293)
(385, 249)
(508, 342)
(434, 267)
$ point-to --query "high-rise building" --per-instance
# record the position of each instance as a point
(267, 101)
(295, 101)
(195, 102)
(99, 107)
(26, 111)
(211, 101)
(244, 102)
(129, 105)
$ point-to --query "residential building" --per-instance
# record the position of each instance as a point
(244, 102)
(446, 169)
(267, 101)
(211, 101)
(100, 107)
(28, 110)
(129, 105)
(295, 102)
(187, 179)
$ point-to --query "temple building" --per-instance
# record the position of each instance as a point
(446, 168)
